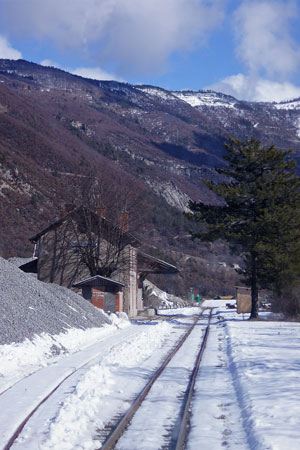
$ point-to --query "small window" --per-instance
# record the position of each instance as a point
(82, 244)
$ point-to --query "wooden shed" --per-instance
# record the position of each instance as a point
(243, 299)
(102, 292)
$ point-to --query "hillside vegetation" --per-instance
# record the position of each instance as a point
(54, 127)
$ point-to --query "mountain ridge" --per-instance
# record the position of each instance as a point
(55, 126)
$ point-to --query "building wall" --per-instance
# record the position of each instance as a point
(59, 262)
(244, 300)
(98, 298)
(128, 276)
(119, 302)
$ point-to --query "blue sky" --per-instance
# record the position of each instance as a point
(247, 48)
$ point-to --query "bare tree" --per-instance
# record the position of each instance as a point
(101, 225)
(94, 235)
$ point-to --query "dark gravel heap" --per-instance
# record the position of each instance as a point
(29, 307)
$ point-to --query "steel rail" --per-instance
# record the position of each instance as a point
(24, 422)
(180, 433)
(117, 432)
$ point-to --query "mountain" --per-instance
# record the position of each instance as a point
(54, 126)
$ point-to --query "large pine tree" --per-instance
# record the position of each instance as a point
(260, 214)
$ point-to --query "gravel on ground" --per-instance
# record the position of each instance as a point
(29, 307)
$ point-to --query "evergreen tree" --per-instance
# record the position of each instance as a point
(259, 216)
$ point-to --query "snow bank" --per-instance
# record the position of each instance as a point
(160, 299)
(19, 360)
(265, 367)
(188, 311)
(102, 391)
(247, 394)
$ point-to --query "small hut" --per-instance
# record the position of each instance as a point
(243, 299)
(102, 292)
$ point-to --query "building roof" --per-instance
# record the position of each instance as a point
(98, 280)
(58, 222)
(246, 288)
(150, 264)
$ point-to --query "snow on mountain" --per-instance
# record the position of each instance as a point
(291, 105)
(206, 98)
(193, 98)
(156, 92)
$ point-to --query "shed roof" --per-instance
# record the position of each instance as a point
(247, 288)
(150, 264)
(98, 280)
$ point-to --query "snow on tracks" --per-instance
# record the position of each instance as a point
(69, 417)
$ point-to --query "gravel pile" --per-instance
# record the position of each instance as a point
(29, 307)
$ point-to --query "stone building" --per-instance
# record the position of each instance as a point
(82, 245)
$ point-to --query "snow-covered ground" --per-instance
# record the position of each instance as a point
(18, 360)
(247, 393)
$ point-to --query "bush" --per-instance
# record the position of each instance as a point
(288, 303)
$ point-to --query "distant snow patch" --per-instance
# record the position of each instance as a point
(211, 99)
(288, 105)
(156, 92)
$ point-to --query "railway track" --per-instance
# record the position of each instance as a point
(177, 436)
(19, 429)
(116, 428)
(20, 390)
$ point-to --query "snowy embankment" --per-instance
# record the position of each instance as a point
(248, 392)
(157, 298)
(40, 323)
(246, 397)
(115, 372)
(265, 365)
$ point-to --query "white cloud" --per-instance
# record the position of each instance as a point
(8, 52)
(256, 89)
(265, 43)
(137, 36)
(49, 63)
(95, 73)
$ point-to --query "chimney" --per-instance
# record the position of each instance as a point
(124, 222)
(101, 211)
(68, 208)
